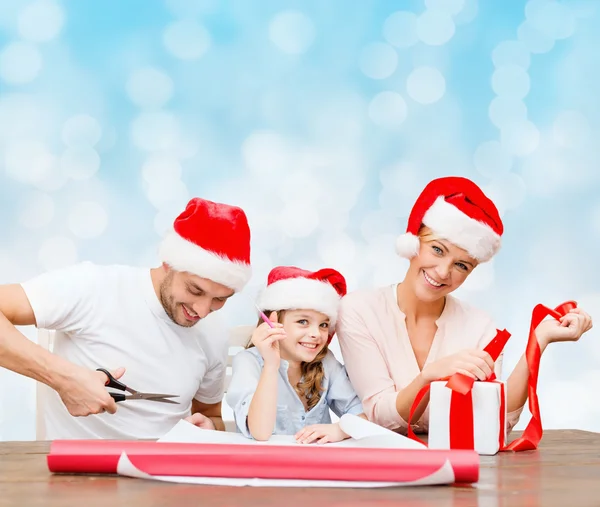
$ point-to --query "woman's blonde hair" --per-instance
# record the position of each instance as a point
(312, 373)
(426, 234)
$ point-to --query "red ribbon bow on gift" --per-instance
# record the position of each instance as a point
(461, 402)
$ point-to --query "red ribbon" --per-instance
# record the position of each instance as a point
(461, 401)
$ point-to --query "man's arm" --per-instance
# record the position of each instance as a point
(210, 410)
(81, 390)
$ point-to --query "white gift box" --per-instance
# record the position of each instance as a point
(486, 416)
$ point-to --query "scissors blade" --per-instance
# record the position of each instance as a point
(151, 396)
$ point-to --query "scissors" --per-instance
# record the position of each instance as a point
(134, 395)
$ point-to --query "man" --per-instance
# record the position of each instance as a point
(143, 325)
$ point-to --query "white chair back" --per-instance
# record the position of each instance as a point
(238, 338)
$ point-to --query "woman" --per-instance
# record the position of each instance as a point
(395, 340)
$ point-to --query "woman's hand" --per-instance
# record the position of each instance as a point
(568, 329)
(266, 340)
(473, 363)
(321, 433)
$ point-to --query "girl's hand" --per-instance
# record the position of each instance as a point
(266, 340)
(321, 433)
(473, 363)
(569, 329)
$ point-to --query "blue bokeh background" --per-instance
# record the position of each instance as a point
(324, 120)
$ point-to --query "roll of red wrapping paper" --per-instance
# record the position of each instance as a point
(261, 461)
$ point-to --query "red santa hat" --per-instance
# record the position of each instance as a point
(457, 210)
(211, 240)
(291, 288)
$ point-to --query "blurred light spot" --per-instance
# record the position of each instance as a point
(298, 220)
(511, 52)
(491, 159)
(301, 184)
(511, 81)
(387, 109)
(571, 129)
(41, 21)
(481, 278)
(149, 87)
(426, 85)
(20, 63)
(378, 222)
(400, 29)
(80, 163)
(161, 168)
(81, 130)
(186, 39)
(378, 60)
(87, 219)
(545, 171)
(553, 19)
(505, 111)
(155, 131)
(435, 27)
(36, 210)
(451, 7)
(468, 12)
(28, 161)
(191, 8)
(337, 249)
(266, 153)
(507, 191)
(57, 252)
(292, 32)
(534, 40)
(401, 184)
(168, 194)
(520, 139)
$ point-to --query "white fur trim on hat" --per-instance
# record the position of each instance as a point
(183, 255)
(407, 245)
(301, 294)
(448, 222)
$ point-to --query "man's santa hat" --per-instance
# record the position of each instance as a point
(457, 210)
(291, 288)
(211, 240)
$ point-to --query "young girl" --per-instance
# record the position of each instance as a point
(286, 380)
(399, 338)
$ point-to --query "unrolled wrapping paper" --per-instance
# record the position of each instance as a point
(385, 459)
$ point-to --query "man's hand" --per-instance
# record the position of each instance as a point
(201, 421)
(83, 392)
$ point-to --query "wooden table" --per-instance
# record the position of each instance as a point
(564, 472)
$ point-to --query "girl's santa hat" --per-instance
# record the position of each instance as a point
(457, 210)
(211, 240)
(291, 288)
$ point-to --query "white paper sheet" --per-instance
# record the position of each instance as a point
(445, 475)
(363, 434)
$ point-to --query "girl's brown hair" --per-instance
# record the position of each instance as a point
(311, 381)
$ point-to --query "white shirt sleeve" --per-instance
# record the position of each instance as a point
(212, 385)
(64, 299)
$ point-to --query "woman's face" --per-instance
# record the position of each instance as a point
(439, 268)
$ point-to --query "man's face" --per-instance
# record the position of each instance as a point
(188, 298)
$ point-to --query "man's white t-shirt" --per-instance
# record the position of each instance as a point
(110, 316)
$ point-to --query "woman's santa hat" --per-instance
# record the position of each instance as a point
(291, 288)
(211, 240)
(457, 210)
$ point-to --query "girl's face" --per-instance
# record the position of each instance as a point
(307, 333)
(440, 268)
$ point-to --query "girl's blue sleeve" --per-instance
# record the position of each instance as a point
(341, 397)
(244, 381)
